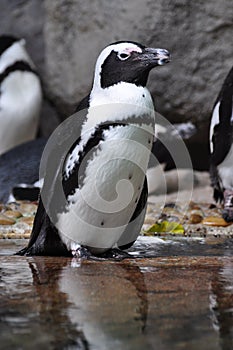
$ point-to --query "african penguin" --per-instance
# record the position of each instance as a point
(20, 94)
(221, 148)
(94, 195)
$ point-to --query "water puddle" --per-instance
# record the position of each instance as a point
(150, 247)
(179, 296)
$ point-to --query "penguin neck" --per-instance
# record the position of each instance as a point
(15, 52)
(120, 102)
(121, 93)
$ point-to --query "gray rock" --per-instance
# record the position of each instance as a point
(176, 180)
(198, 34)
(65, 37)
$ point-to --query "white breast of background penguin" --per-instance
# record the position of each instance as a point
(114, 174)
(20, 101)
(226, 167)
(19, 108)
(214, 122)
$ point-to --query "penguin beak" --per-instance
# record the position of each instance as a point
(151, 57)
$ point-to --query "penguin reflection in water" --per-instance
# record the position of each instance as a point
(102, 174)
(221, 148)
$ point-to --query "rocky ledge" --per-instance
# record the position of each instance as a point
(16, 219)
(189, 217)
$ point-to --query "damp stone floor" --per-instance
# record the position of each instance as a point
(175, 291)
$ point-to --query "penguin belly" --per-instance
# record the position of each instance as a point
(113, 174)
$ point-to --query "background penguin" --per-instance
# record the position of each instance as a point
(20, 94)
(221, 148)
(116, 136)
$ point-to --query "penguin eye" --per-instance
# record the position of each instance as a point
(123, 56)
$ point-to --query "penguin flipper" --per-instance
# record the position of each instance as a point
(44, 239)
(134, 227)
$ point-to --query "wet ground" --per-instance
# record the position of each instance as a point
(178, 296)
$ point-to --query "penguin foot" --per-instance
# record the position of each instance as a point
(21, 252)
(81, 252)
(227, 215)
(115, 254)
(227, 212)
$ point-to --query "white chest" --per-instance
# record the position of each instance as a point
(99, 212)
(214, 122)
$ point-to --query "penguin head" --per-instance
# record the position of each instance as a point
(12, 49)
(127, 61)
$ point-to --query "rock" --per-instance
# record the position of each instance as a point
(28, 208)
(149, 220)
(196, 217)
(161, 182)
(14, 214)
(27, 219)
(4, 220)
(215, 221)
(67, 79)
(17, 220)
(67, 65)
(184, 90)
(110, 21)
(193, 205)
(171, 214)
(2, 207)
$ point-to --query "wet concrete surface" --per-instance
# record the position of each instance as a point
(178, 296)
